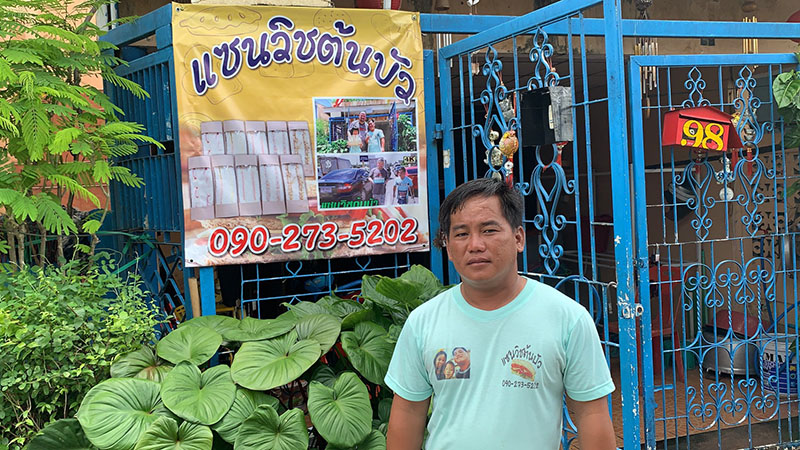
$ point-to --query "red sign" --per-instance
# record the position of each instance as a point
(702, 127)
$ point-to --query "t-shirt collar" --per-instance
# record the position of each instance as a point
(483, 315)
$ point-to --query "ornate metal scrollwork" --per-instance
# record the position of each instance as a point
(700, 202)
(695, 84)
(547, 220)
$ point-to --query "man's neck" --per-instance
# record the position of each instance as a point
(495, 297)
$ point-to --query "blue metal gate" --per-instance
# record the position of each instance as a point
(719, 231)
(575, 238)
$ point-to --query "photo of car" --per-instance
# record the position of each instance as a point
(345, 184)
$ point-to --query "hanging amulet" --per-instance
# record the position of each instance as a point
(509, 143)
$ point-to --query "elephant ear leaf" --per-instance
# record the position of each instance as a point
(369, 350)
(202, 398)
(244, 405)
(342, 415)
(375, 440)
(252, 329)
(64, 434)
(322, 328)
(264, 365)
(220, 324)
(165, 434)
(265, 430)
(194, 344)
(116, 412)
(142, 363)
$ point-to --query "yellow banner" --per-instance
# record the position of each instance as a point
(301, 133)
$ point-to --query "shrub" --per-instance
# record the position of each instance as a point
(319, 365)
(60, 329)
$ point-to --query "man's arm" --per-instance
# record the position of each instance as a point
(595, 431)
(406, 424)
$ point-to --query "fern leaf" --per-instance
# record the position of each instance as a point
(53, 216)
(18, 56)
(101, 173)
(74, 187)
(91, 226)
(125, 176)
(24, 208)
(63, 139)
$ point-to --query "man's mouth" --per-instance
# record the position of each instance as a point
(472, 262)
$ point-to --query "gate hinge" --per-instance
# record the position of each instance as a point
(642, 263)
(632, 311)
(437, 131)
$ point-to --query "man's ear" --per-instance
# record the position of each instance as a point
(519, 238)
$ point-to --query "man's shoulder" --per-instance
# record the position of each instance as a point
(432, 306)
(554, 300)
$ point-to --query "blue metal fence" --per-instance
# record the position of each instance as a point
(567, 218)
(723, 226)
(593, 248)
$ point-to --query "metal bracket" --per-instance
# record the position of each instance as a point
(438, 131)
(629, 312)
(642, 263)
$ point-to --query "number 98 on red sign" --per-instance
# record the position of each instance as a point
(312, 236)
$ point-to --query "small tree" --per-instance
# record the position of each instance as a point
(58, 135)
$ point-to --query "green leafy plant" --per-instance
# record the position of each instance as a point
(58, 134)
(60, 330)
(407, 134)
(786, 91)
(286, 373)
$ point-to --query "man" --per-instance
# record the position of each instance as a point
(461, 357)
(379, 176)
(361, 126)
(530, 344)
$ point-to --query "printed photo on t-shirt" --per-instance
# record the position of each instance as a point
(456, 367)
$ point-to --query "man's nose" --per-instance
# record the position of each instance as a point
(476, 243)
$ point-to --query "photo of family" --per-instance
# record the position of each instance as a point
(367, 180)
(455, 368)
(364, 125)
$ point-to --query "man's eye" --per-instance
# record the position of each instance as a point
(491, 230)
(460, 234)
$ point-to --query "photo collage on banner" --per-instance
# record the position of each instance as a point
(300, 133)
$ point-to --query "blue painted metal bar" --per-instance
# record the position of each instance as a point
(158, 57)
(140, 28)
(472, 24)
(208, 306)
(713, 60)
(519, 25)
(446, 103)
(432, 157)
(623, 240)
(640, 216)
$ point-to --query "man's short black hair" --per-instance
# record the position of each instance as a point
(510, 202)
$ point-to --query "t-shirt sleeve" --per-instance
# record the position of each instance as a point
(586, 376)
(407, 376)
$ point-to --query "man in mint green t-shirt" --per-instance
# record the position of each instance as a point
(498, 351)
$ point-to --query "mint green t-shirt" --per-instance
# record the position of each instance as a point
(499, 376)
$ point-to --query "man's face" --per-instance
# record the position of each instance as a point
(362, 117)
(461, 357)
(482, 245)
(380, 164)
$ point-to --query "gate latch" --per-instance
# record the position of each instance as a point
(632, 312)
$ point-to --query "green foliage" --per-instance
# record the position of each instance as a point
(407, 134)
(60, 330)
(337, 146)
(347, 404)
(786, 90)
(62, 131)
